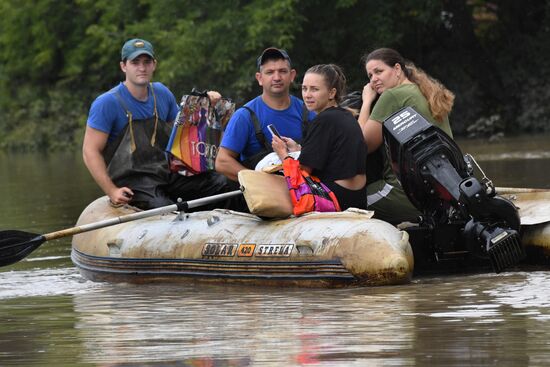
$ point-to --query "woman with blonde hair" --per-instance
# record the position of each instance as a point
(397, 84)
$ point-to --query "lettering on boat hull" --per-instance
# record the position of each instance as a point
(246, 249)
(277, 250)
(219, 249)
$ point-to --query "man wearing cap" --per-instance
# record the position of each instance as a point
(127, 132)
(240, 147)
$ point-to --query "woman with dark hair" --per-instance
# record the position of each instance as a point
(333, 148)
(398, 84)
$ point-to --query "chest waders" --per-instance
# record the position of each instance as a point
(136, 159)
(139, 148)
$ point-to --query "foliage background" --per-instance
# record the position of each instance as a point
(57, 56)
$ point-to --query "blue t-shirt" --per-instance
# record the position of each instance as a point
(240, 136)
(108, 115)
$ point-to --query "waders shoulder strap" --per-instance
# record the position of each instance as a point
(155, 113)
(130, 117)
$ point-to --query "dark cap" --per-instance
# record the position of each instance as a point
(135, 47)
(272, 53)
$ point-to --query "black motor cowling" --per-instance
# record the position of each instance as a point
(439, 182)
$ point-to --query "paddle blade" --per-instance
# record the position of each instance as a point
(16, 245)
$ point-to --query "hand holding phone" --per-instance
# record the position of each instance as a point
(273, 130)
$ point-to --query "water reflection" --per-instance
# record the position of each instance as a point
(253, 326)
(452, 321)
(34, 334)
(483, 319)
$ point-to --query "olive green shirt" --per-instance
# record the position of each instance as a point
(394, 99)
(405, 95)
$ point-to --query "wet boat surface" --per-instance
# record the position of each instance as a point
(318, 249)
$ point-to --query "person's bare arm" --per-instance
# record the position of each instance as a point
(92, 148)
(279, 146)
(214, 96)
(372, 133)
(227, 163)
(372, 130)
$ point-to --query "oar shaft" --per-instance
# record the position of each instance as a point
(110, 222)
(207, 200)
(140, 215)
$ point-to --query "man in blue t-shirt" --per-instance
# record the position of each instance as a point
(274, 106)
(126, 135)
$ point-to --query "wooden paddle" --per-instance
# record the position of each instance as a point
(16, 245)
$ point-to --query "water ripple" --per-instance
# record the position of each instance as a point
(43, 282)
(536, 154)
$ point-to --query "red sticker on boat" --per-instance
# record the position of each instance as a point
(219, 249)
(246, 249)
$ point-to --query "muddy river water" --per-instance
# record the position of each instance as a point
(50, 315)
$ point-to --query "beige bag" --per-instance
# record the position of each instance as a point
(266, 194)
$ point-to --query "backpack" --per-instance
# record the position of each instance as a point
(197, 132)
(307, 193)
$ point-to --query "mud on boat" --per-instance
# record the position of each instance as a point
(318, 249)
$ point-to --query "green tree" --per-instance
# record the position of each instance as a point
(56, 57)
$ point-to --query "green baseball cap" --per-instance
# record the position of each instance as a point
(135, 47)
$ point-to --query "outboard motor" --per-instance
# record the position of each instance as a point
(439, 182)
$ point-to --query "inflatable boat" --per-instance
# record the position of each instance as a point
(466, 223)
(315, 250)
(318, 249)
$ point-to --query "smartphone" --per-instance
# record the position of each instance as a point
(273, 130)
